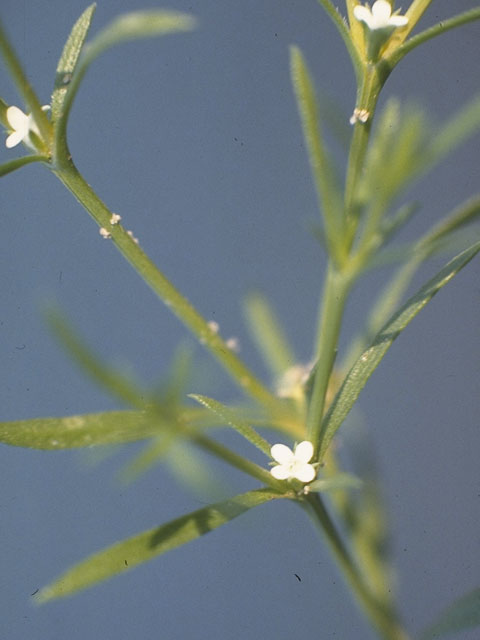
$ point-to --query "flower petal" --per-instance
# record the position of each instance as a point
(362, 14)
(13, 139)
(305, 473)
(282, 454)
(280, 472)
(17, 119)
(304, 451)
(398, 21)
(381, 11)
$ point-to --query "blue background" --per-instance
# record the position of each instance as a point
(194, 139)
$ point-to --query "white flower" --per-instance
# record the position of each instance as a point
(379, 16)
(293, 464)
(22, 125)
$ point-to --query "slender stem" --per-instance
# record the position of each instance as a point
(366, 100)
(338, 283)
(178, 304)
(332, 306)
(237, 461)
(382, 618)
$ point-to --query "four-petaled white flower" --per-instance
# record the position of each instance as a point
(379, 16)
(293, 464)
(22, 125)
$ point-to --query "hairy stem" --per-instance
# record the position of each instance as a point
(382, 618)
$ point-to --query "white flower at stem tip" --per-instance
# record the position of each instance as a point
(379, 16)
(293, 464)
(22, 125)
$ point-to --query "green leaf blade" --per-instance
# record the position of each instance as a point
(268, 335)
(69, 59)
(462, 125)
(17, 163)
(231, 417)
(115, 382)
(372, 356)
(338, 481)
(145, 546)
(330, 201)
(442, 237)
(463, 614)
(130, 26)
(142, 24)
(77, 431)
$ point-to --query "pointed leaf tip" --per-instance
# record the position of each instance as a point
(143, 547)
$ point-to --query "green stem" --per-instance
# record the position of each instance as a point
(177, 303)
(367, 97)
(382, 618)
(237, 461)
(334, 297)
(338, 282)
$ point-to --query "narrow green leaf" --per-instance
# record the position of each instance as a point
(464, 613)
(343, 30)
(154, 452)
(338, 481)
(232, 418)
(268, 335)
(369, 360)
(145, 546)
(13, 165)
(189, 466)
(3, 113)
(432, 32)
(399, 219)
(172, 390)
(414, 13)
(69, 59)
(87, 430)
(141, 24)
(447, 236)
(357, 33)
(330, 201)
(466, 213)
(460, 127)
(455, 242)
(113, 381)
(130, 26)
(400, 135)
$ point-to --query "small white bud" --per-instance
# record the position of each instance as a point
(233, 344)
(359, 115)
(213, 326)
(104, 233)
(130, 233)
